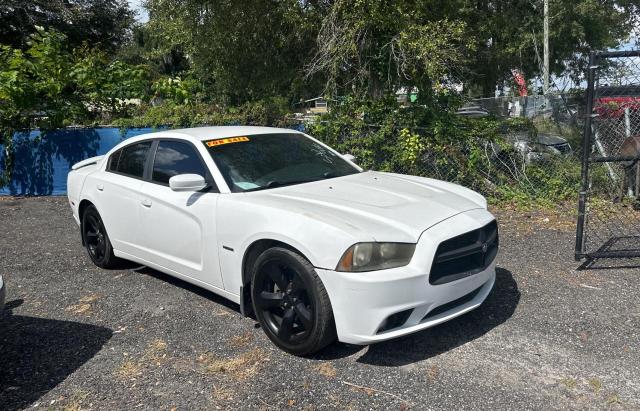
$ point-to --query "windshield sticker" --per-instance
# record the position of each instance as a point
(245, 185)
(219, 142)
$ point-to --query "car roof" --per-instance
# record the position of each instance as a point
(204, 134)
(210, 133)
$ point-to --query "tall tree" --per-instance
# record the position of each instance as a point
(100, 23)
(508, 34)
(240, 50)
(49, 86)
(161, 54)
(377, 41)
(371, 47)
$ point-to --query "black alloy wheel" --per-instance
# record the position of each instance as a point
(96, 239)
(291, 303)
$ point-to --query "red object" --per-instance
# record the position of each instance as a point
(520, 81)
(614, 107)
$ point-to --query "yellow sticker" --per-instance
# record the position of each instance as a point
(229, 140)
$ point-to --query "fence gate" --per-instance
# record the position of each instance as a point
(609, 202)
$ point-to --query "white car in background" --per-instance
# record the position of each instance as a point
(288, 228)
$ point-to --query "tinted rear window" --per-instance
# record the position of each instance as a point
(113, 161)
(132, 159)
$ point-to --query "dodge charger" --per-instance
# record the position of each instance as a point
(294, 232)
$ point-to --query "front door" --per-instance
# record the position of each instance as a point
(179, 228)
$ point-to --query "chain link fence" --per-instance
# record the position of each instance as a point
(532, 155)
(556, 150)
(609, 207)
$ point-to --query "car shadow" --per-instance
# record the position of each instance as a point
(36, 354)
(497, 308)
(184, 285)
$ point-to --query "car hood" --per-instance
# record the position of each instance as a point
(550, 139)
(376, 206)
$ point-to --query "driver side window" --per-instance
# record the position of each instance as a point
(173, 158)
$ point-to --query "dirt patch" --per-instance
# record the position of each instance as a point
(154, 355)
(84, 306)
(432, 373)
(241, 340)
(129, 369)
(241, 367)
(75, 402)
(325, 369)
(524, 221)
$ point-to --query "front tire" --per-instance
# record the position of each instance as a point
(291, 303)
(96, 240)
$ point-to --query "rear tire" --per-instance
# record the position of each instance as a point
(96, 239)
(291, 303)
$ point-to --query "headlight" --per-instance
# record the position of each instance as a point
(375, 256)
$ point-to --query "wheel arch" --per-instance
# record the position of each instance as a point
(258, 247)
(250, 255)
(323, 321)
(81, 209)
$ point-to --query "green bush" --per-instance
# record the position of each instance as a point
(435, 142)
(176, 89)
(49, 86)
(170, 114)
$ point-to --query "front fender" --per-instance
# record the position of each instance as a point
(309, 254)
(241, 223)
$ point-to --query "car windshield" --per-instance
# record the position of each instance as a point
(258, 162)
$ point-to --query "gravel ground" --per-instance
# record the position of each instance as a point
(77, 337)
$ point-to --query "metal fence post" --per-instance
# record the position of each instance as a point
(586, 148)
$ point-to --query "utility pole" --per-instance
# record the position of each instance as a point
(545, 69)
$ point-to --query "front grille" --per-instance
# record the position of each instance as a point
(465, 254)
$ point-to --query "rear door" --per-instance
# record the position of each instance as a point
(118, 191)
(179, 228)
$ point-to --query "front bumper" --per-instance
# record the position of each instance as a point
(364, 303)
(3, 293)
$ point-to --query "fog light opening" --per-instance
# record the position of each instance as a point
(395, 321)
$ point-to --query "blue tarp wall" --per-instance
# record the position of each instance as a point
(41, 164)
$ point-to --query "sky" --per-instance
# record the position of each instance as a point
(142, 15)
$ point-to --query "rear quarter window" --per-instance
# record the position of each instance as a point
(132, 158)
(113, 161)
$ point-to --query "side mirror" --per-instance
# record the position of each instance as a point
(349, 157)
(187, 182)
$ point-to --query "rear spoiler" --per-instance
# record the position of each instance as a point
(87, 162)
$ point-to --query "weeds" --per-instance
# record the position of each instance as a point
(241, 367)
(154, 355)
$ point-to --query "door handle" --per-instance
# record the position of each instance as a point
(100, 187)
(146, 203)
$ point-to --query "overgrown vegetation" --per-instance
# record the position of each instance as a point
(228, 62)
(48, 86)
(372, 47)
(267, 112)
(435, 142)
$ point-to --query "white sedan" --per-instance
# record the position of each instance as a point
(288, 228)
